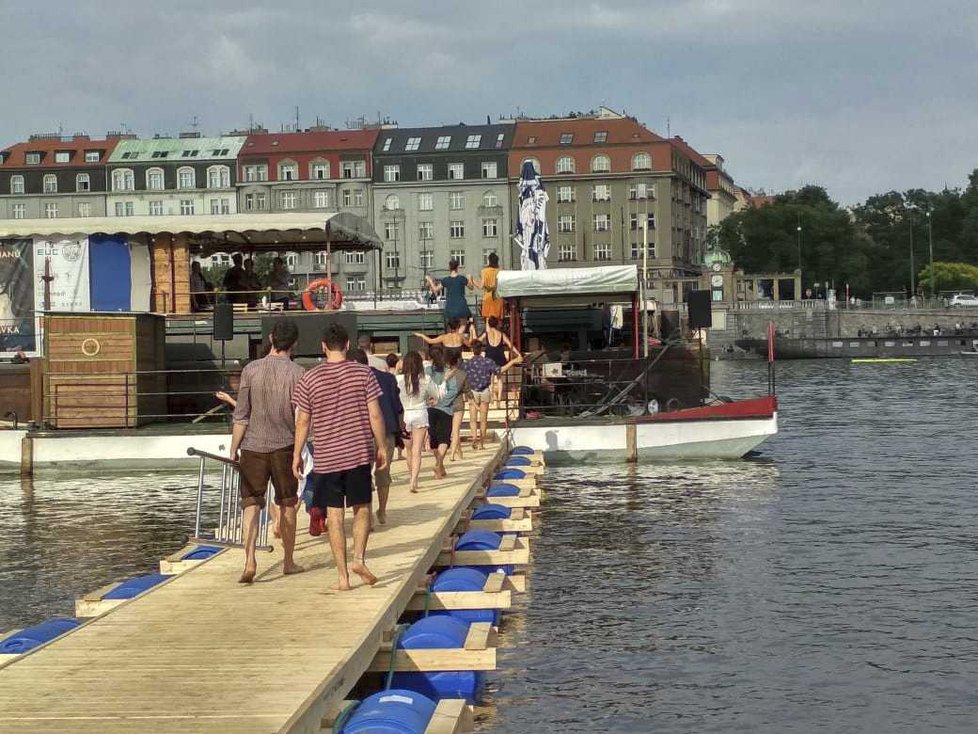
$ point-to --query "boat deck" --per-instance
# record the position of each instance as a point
(202, 653)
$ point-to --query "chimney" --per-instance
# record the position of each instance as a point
(185, 135)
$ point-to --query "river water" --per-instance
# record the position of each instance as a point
(830, 585)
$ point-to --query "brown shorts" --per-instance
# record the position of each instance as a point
(257, 468)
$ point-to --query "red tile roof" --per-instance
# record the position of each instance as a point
(15, 155)
(309, 142)
(547, 132)
(691, 153)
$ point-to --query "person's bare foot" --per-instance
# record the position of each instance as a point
(414, 489)
(247, 576)
(291, 568)
(340, 585)
(382, 517)
(440, 472)
(361, 570)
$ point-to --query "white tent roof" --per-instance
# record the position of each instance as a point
(217, 233)
(563, 282)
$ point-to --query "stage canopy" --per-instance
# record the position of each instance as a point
(568, 282)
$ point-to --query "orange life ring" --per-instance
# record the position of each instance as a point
(335, 295)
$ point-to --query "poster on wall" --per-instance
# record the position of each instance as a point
(17, 323)
(66, 262)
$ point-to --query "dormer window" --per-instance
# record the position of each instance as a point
(473, 141)
(92, 156)
(443, 142)
(160, 153)
(32, 159)
(412, 144)
(566, 138)
(62, 156)
(387, 144)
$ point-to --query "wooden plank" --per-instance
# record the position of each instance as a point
(174, 564)
(532, 500)
(478, 636)
(452, 716)
(494, 583)
(519, 556)
(432, 661)
(508, 542)
(447, 600)
(500, 526)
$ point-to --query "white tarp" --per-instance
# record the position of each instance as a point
(567, 281)
(69, 271)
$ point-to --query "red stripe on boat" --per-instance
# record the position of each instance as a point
(740, 409)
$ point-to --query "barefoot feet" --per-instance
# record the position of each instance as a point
(361, 570)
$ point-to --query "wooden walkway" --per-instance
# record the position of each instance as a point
(202, 653)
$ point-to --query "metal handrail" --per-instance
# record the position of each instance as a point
(229, 530)
(213, 457)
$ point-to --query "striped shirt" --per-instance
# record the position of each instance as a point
(265, 403)
(336, 395)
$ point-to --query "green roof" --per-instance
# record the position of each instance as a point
(158, 150)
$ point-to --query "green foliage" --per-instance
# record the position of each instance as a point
(950, 276)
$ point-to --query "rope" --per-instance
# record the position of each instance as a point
(344, 716)
(427, 599)
(390, 667)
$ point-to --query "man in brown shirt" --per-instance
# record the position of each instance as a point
(264, 435)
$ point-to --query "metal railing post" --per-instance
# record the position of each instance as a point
(200, 496)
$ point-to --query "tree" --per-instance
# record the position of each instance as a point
(950, 276)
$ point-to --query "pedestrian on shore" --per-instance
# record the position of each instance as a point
(340, 400)
(415, 386)
(263, 441)
(445, 390)
(390, 406)
(480, 372)
(454, 285)
(365, 343)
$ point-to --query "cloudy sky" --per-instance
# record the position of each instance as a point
(860, 96)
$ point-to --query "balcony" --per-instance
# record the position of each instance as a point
(490, 211)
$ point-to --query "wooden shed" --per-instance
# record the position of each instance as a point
(104, 370)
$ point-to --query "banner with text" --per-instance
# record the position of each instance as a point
(17, 323)
(65, 261)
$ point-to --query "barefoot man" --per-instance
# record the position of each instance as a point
(264, 435)
(340, 399)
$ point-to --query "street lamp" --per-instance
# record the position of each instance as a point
(913, 289)
(801, 279)
(930, 247)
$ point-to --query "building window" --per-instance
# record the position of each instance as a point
(256, 172)
(354, 169)
(601, 192)
(357, 257)
(19, 211)
(320, 200)
(356, 284)
(456, 171)
(443, 142)
(456, 200)
(392, 260)
(16, 184)
(392, 202)
(600, 164)
(254, 202)
(62, 156)
(641, 162)
(565, 194)
(426, 259)
(387, 144)
(489, 199)
(32, 159)
(288, 200)
(390, 230)
(426, 231)
(426, 202)
(347, 197)
(218, 177)
(499, 139)
(412, 144)
(486, 254)
(319, 170)
(566, 138)
(124, 209)
(186, 178)
(154, 179)
(565, 164)
(458, 255)
(392, 173)
(472, 142)
(601, 136)
(92, 156)
(637, 250)
(602, 251)
(186, 207)
(288, 171)
(567, 252)
(490, 228)
(220, 206)
(566, 223)
(489, 170)
(358, 197)
(51, 210)
(84, 209)
(426, 172)
(156, 208)
(456, 229)
(641, 191)
(602, 222)
(635, 221)
(50, 184)
(123, 180)
(650, 218)
(83, 182)
(160, 154)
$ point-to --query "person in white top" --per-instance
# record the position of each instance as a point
(415, 386)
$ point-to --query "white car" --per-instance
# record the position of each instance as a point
(964, 299)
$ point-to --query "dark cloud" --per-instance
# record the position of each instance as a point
(859, 97)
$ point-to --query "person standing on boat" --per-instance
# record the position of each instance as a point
(496, 344)
(492, 304)
(340, 400)
(453, 285)
(263, 442)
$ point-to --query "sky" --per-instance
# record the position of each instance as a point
(859, 96)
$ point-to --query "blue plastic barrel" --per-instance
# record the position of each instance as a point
(479, 540)
(517, 461)
(201, 552)
(510, 474)
(396, 711)
(132, 587)
(490, 511)
(502, 489)
(465, 684)
(464, 579)
(434, 633)
(522, 451)
(31, 637)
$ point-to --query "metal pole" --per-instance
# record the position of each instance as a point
(644, 288)
(200, 496)
(801, 279)
(930, 247)
(913, 289)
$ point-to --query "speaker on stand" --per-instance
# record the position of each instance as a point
(223, 330)
(700, 310)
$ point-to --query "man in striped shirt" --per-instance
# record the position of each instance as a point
(339, 399)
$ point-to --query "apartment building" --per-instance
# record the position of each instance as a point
(441, 193)
(55, 176)
(723, 190)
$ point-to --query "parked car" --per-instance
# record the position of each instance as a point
(964, 299)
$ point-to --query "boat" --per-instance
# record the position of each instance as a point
(883, 360)
(862, 347)
(650, 403)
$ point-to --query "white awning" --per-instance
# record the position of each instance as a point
(218, 233)
(564, 282)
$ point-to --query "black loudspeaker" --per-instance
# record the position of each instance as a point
(700, 310)
(223, 322)
(311, 327)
